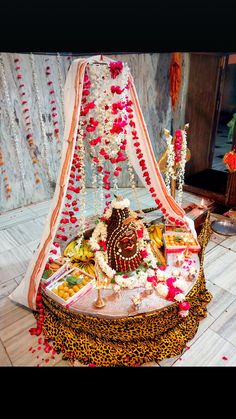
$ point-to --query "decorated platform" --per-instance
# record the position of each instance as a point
(121, 290)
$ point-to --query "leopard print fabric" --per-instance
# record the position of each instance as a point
(127, 341)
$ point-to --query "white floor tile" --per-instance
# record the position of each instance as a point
(209, 350)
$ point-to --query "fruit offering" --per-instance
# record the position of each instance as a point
(85, 266)
(83, 253)
(70, 285)
(175, 229)
(155, 234)
(175, 240)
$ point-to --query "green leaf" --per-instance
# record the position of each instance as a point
(47, 273)
(72, 280)
(113, 281)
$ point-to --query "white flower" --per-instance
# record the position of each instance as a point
(125, 203)
(148, 286)
(180, 297)
(162, 290)
(161, 276)
(175, 273)
(151, 272)
(181, 283)
(183, 313)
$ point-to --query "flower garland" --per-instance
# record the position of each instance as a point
(53, 102)
(11, 116)
(61, 85)
(82, 224)
(170, 174)
(176, 160)
(7, 187)
(42, 125)
(181, 144)
(26, 118)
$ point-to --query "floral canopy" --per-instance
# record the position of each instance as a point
(104, 125)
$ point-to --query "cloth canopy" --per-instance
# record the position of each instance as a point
(26, 292)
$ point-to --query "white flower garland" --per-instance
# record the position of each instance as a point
(181, 168)
(170, 160)
(82, 221)
(42, 125)
(61, 86)
(11, 117)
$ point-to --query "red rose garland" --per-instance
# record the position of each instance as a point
(26, 117)
(7, 187)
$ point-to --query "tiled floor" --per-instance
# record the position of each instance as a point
(20, 232)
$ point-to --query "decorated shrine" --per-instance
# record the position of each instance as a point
(118, 288)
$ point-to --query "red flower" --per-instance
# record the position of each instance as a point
(140, 233)
(173, 291)
(116, 89)
(144, 253)
(115, 68)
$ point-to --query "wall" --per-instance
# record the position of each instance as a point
(150, 73)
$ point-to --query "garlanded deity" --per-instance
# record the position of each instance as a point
(122, 240)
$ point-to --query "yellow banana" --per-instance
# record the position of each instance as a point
(157, 253)
(157, 239)
(159, 232)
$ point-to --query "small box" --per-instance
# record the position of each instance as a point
(64, 268)
(179, 242)
(61, 279)
(175, 229)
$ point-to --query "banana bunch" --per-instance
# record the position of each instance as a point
(155, 234)
(157, 253)
(83, 254)
(86, 266)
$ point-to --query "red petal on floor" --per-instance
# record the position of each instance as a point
(54, 352)
(47, 360)
(33, 351)
(38, 365)
(30, 349)
(40, 340)
(39, 347)
(53, 357)
(225, 358)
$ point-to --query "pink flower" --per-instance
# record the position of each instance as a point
(184, 305)
(173, 291)
(144, 253)
(152, 279)
(140, 233)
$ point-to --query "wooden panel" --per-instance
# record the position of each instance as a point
(150, 73)
(200, 108)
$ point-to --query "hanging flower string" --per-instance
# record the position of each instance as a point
(181, 153)
(61, 85)
(144, 167)
(7, 188)
(26, 118)
(53, 103)
(45, 153)
(11, 116)
(176, 160)
(170, 160)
